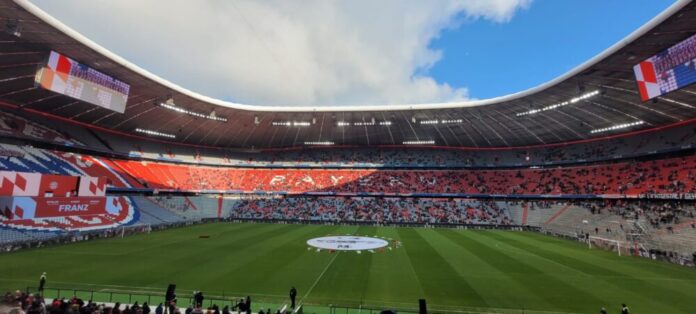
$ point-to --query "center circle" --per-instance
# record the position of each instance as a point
(347, 243)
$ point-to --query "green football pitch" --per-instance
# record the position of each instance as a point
(454, 270)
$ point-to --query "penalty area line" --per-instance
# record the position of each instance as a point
(319, 278)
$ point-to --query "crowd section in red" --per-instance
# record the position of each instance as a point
(675, 175)
(671, 175)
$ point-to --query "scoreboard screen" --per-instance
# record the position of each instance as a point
(669, 70)
(71, 78)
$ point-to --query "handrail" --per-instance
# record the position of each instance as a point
(113, 296)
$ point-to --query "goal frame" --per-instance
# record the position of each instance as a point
(617, 243)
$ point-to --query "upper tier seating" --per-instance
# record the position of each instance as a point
(13, 125)
(674, 175)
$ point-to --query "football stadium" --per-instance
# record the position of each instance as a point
(123, 192)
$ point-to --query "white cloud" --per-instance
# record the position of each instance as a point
(277, 52)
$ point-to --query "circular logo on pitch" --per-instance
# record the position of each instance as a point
(350, 243)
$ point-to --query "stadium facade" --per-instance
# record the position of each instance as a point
(598, 94)
(602, 155)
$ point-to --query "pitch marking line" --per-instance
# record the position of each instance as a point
(319, 278)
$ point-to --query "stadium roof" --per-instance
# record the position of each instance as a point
(587, 102)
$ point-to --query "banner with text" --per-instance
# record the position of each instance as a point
(22, 207)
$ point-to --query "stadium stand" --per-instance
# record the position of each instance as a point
(628, 166)
(678, 137)
(370, 209)
(673, 175)
(154, 210)
(656, 224)
(192, 208)
(16, 126)
(628, 180)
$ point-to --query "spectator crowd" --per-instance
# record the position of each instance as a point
(373, 209)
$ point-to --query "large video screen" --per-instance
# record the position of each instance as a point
(69, 77)
(669, 70)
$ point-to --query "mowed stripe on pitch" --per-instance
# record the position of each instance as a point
(392, 279)
(645, 267)
(441, 283)
(294, 265)
(650, 274)
(190, 263)
(499, 284)
(537, 274)
(253, 264)
(346, 279)
(131, 266)
(611, 288)
(616, 281)
(452, 269)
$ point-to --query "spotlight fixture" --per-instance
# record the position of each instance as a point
(617, 127)
(429, 142)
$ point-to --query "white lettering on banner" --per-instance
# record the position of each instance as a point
(335, 180)
(684, 196)
(307, 179)
(73, 207)
(277, 179)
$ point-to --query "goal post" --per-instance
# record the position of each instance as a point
(604, 243)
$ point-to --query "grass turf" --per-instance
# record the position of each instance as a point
(452, 269)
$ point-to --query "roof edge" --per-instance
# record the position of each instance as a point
(47, 18)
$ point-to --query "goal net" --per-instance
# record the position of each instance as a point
(605, 244)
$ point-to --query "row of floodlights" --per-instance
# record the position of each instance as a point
(428, 142)
(313, 143)
(154, 133)
(364, 123)
(339, 123)
(211, 116)
(372, 122)
(320, 143)
(443, 121)
(328, 143)
(617, 127)
(290, 123)
(558, 105)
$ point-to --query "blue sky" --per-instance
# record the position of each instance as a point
(355, 52)
(536, 45)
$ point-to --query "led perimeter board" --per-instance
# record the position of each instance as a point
(71, 78)
(669, 70)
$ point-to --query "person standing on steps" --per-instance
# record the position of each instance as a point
(42, 283)
(293, 295)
